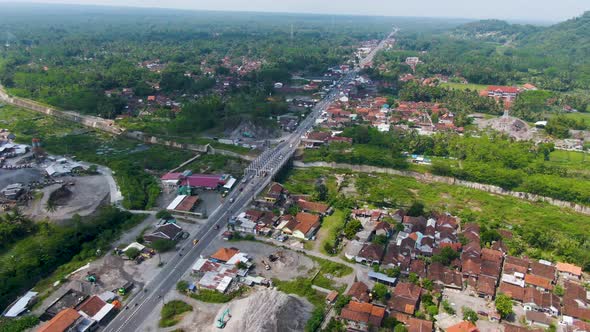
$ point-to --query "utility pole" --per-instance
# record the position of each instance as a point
(291, 32)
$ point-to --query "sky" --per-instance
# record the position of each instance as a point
(532, 10)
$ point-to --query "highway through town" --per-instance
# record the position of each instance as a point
(257, 176)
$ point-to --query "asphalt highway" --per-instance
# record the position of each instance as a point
(257, 176)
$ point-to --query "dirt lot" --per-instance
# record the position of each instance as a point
(290, 264)
(87, 194)
(460, 300)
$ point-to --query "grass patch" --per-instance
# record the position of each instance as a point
(172, 312)
(211, 296)
(333, 268)
(18, 324)
(331, 227)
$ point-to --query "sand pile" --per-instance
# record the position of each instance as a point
(268, 310)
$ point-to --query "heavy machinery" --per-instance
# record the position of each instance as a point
(90, 277)
(221, 321)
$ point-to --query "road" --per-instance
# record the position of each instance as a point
(257, 176)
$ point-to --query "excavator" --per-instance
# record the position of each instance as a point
(221, 321)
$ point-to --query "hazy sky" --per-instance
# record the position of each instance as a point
(541, 10)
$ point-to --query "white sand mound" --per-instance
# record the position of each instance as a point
(268, 310)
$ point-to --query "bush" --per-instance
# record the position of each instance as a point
(182, 286)
(171, 312)
(211, 296)
(132, 253)
(163, 245)
(470, 315)
(19, 324)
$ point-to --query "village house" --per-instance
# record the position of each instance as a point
(538, 318)
(371, 254)
(359, 292)
(275, 193)
(405, 298)
(170, 231)
(360, 316)
(569, 271)
(463, 326)
(307, 225)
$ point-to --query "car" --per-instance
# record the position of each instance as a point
(231, 200)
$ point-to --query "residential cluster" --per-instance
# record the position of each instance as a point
(437, 255)
(224, 271)
(280, 214)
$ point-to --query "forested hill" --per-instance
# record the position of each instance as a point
(494, 30)
(570, 38)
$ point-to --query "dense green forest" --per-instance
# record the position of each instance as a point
(495, 52)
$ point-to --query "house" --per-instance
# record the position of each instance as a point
(463, 326)
(419, 325)
(514, 264)
(543, 269)
(514, 292)
(418, 266)
(307, 225)
(313, 207)
(569, 270)
(383, 228)
(360, 316)
(540, 283)
(442, 275)
(224, 254)
(359, 292)
(538, 318)
(576, 301)
(371, 253)
(169, 231)
(96, 309)
(382, 278)
(205, 181)
(405, 298)
(486, 287)
(529, 87)
(274, 193)
(502, 92)
(395, 257)
(65, 320)
(541, 301)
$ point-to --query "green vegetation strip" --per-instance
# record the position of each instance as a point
(172, 312)
(541, 230)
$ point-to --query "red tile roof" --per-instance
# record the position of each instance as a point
(359, 291)
(538, 281)
(203, 180)
(569, 268)
(313, 206)
(225, 254)
(61, 322)
(463, 326)
(92, 305)
(187, 203)
(307, 218)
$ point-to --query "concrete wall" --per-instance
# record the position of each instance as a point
(430, 178)
(86, 120)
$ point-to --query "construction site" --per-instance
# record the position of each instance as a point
(48, 187)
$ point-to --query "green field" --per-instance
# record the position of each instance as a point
(578, 162)
(470, 86)
(578, 116)
(564, 232)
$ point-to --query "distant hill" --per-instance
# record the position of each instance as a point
(494, 31)
(570, 38)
